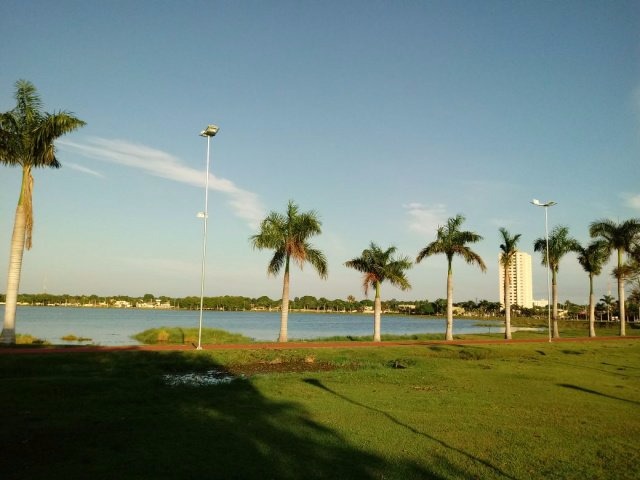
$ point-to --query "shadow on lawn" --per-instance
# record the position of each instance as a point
(594, 392)
(111, 415)
(494, 469)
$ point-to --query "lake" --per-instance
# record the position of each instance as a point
(115, 326)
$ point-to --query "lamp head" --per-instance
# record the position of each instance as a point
(538, 203)
(210, 131)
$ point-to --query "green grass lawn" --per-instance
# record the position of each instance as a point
(515, 411)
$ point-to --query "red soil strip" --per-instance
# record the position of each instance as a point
(19, 350)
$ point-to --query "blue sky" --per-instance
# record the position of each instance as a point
(384, 117)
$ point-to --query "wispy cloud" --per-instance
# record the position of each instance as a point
(80, 168)
(425, 219)
(632, 200)
(245, 204)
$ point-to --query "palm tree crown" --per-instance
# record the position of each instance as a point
(451, 241)
(378, 265)
(560, 243)
(509, 247)
(622, 236)
(288, 235)
(593, 257)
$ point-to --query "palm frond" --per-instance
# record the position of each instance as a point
(432, 248)
(316, 258)
(509, 247)
(560, 243)
(277, 262)
(593, 257)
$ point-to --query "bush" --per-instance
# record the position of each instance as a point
(182, 336)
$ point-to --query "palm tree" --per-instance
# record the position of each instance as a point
(351, 300)
(377, 266)
(27, 138)
(592, 258)
(450, 241)
(608, 302)
(560, 243)
(622, 237)
(508, 251)
(288, 236)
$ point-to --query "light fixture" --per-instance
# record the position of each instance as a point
(210, 131)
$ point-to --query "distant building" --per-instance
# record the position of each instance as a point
(521, 281)
(541, 303)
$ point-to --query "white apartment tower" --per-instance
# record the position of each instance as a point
(521, 283)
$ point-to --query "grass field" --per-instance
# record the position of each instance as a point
(513, 411)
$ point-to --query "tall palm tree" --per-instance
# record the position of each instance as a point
(377, 266)
(508, 250)
(27, 138)
(288, 236)
(560, 243)
(592, 258)
(451, 241)
(622, 237)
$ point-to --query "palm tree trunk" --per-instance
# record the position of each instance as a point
(284, 313)
(449, 332)
(507, 304)
(621, 295)
(592, 308)
(554, 300)
(377, 309)
(8, 335)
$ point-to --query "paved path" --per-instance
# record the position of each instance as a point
(25, 350)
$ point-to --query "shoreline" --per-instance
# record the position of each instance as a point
(35, 350)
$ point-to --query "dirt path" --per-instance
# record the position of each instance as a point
(26, 350)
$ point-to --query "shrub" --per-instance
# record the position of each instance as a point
(180, 336)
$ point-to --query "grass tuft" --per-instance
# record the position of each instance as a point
(187, 336)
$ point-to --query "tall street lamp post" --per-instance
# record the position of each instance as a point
(546, 205)
(208, 132)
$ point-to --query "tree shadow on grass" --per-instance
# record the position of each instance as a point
(113, 415)
(594, 392)
(495, 470)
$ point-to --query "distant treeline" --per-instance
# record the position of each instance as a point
(239, 303)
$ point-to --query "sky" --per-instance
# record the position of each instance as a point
(386, 118)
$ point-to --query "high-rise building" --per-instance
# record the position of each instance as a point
(521, 280)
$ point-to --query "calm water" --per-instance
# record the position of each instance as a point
(116, 326)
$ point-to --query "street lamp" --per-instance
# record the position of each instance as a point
(208, 132)
(546, 205)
